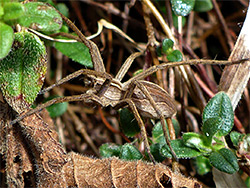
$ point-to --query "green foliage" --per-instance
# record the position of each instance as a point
(181, 150)
(236, 137)
(22, 71)
(202, 165)
(41, 17)
(110, 150)
(13, 11)
(76, 51)
(130, 152)
(203, 5)
(6, 39)
(224, 160)
(167, 49)
(182, 7)
(128, 123)
(218, 116)
(58, 109)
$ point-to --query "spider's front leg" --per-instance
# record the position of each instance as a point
(83, 97)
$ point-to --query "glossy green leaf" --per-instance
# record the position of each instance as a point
(130, 152)
(224, 160)
(6, 39)
(236, 137)
(180, 149)
(58, 109)
(128, 123)
(203, 5)
(202, 165)
(76, 51)
(219, 114)
(182, 7)
(13, 11)
(41, 17)
(196, 141)
(110, 150)
(22, 72)
(175, 56)
(167, 46)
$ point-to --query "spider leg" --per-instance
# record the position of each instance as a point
(159, 113)
(83, 97)
(75, 75)
(132, 106)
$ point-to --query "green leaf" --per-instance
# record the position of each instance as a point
(6, 39)
(156, 152)
(175, 56)
(202, 165)
(219, 114)
(203, 5)
(128, 123)
(182, 7)
(110, 150)
(58, 109)
(1, 11)
(61, 7)
(76, 51)
(196, 141)
(224, 160)
(13, 11)
(41, 17)
(180, 149)
(167, 46)
(22, 72)
(130, 152)
(236, 137)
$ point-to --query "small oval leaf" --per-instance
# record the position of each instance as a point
(224, 160)
(220, 108)
(182, 7)
(167, 46)
(110, 150)
(130, 152)
(175, 56)
(6, 39)
(13, 10)
(22, 72)
(41, 17)
(76, 51)
(203, 5)
(180, 149)
(236, 137)
(128, 123)
(202, 165)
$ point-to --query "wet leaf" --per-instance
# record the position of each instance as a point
(182, 7)
(6, 39)
(22, 72)
(218, 116)
(41, 17)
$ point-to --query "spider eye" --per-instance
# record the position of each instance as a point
(88, 82)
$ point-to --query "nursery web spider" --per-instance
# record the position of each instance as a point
(144, 98)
